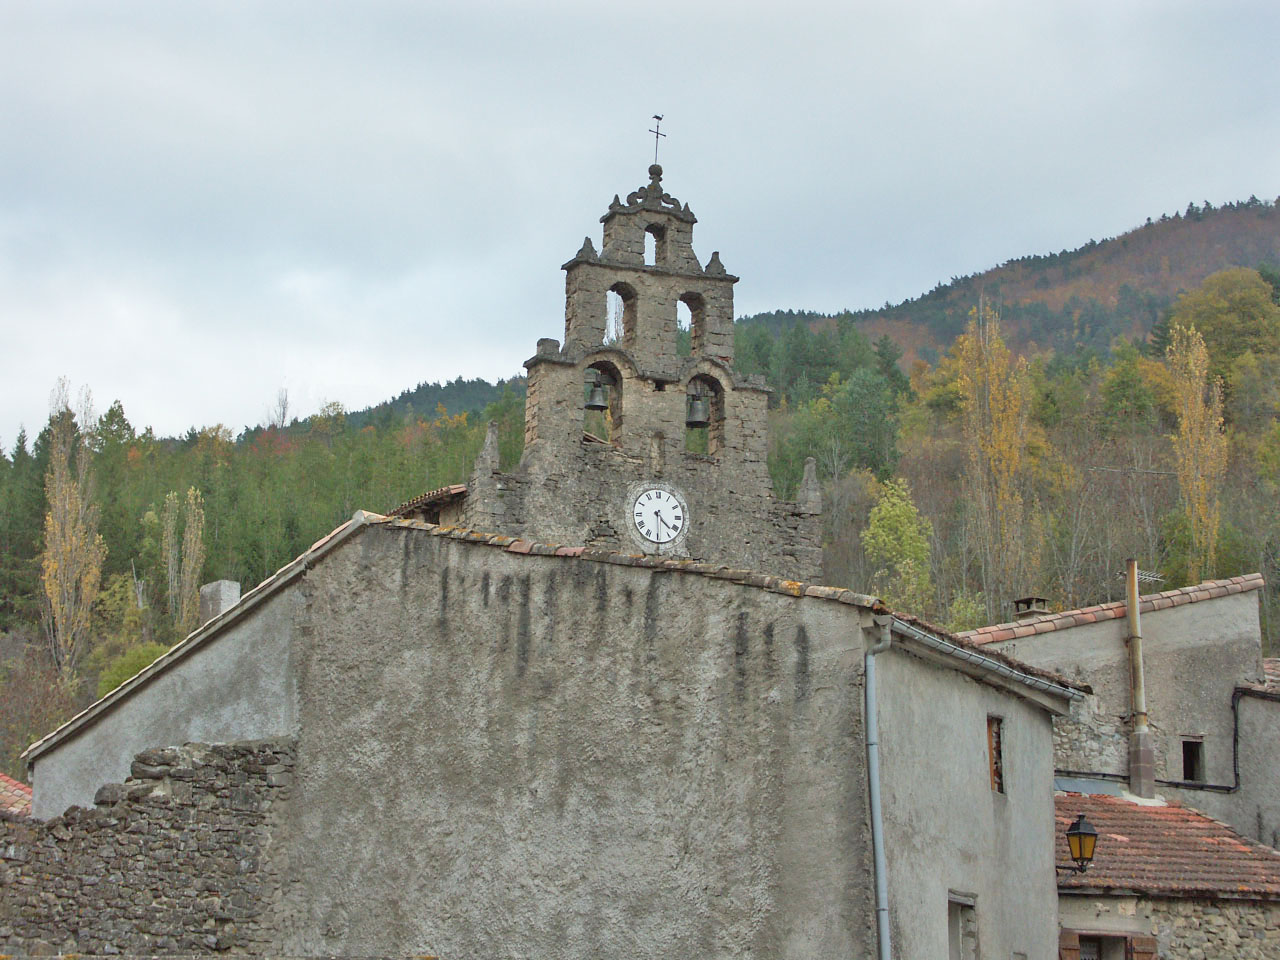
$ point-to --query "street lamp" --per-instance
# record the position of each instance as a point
(1081, 839)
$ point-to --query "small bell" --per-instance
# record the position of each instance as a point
(596, 399)
(699, 412)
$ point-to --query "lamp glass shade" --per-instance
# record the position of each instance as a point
(1081, 839)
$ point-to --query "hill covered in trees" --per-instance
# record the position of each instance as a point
(959, 469)
(1075, 299)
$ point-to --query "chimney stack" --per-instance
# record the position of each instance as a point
(1142, 760)
(217, 598)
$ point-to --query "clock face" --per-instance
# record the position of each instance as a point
(659, 517)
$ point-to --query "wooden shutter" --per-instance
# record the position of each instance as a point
(1140, 948)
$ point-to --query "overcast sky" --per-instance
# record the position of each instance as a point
(203, 202)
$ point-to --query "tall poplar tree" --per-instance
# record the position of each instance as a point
(1199, 446)
(71, 565)
(995, 392)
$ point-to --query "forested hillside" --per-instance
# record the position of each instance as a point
(954, 481)
(1076, 299)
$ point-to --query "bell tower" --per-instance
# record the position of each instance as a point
(631, 443)
(649, 291)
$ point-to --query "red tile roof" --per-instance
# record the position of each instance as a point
(15, 797)
(1167, 850)
(1271, 673)
(1113, 611)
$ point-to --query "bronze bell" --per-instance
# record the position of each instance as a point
(596, 399)
(699, 412)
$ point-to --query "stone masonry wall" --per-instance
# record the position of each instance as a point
(174, 859)
(1203, 930)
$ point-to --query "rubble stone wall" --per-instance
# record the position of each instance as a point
(1199, 929)
(176, 859)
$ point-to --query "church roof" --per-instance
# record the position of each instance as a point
(1163, 849)
(15, 797)
(1209, 590)
(964, 654)
(440, 495)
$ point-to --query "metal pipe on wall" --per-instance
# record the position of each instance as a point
(880, 867)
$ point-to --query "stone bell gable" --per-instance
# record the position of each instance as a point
(689, 422)
(650, 291)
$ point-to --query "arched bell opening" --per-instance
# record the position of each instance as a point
(704, 416)
(620, 313)
(602, 402)
(693, 312)
(655, 245)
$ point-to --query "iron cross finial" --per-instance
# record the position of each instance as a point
(656, 131)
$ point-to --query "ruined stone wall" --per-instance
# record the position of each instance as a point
(179, 858)
(1204, 929)
(1091, 740)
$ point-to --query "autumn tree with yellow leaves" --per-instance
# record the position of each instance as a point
(71, 564)
(995, 401)
(192, 562)
(183, 558)
(1199, 446)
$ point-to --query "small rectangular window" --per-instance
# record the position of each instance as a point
(1193, 761)
(995, 752)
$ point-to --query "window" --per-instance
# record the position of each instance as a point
(1193, 760)
(995, 752)
(962, 930)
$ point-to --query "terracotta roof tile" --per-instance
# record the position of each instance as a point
(439, 495)
(1169, 850)
(15, 797)
(1208, 590)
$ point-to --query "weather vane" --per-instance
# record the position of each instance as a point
(656, 134)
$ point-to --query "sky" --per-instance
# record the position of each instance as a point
(204, 203)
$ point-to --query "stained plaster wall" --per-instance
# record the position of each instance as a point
(237, 686)
(946, 830)
(1254, 809)
(1194, 655)
(532, 756)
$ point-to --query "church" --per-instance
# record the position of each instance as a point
(596, 705)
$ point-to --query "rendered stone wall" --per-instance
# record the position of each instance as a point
(565, 758)
(1206, 930)
(179, 858)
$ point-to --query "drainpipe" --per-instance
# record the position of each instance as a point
(1142, 765)
(884, 622)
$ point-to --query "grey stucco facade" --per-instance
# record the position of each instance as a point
(951, 836)
(500, 752)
